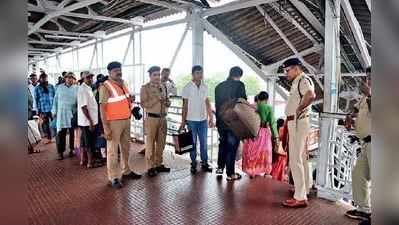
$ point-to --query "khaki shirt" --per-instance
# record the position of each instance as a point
(150, 98)
(294, 98)
(363, 120)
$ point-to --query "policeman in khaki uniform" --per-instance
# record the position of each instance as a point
(361, 178)
(297, 110)
(154, 100)
(115, 107)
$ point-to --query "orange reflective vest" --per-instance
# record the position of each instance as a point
(118, 104)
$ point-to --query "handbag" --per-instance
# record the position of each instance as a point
(34, 136)
(183, 142)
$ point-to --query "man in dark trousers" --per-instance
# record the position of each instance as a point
(230, 89)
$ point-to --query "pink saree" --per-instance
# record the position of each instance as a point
(257, 153)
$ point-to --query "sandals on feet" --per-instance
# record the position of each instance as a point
(234, 177)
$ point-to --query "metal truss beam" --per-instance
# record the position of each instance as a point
(69, 20)
(308, 15)
(179, 45)
(368, 2)
(306, 52)
(101, 18)
(357, 33)
(66, 33)
(42, 49)
(52, 43)
(63, 3)
(288, 42)
(164, 4)
(236, 5)
(290, 19)
(240, 54)
(152, 27)
(60, 12)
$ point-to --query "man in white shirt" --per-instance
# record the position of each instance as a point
(87, 120)
(169, 84)
(196, 111)
(33, 83)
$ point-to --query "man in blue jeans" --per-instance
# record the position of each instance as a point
(228, 90)
(196, 111)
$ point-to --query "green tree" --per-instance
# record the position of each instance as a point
(252, 84)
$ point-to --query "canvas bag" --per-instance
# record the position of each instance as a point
(34, 136)
(241, 118)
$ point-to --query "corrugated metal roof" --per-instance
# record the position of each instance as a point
(124, 9)
(247, 28)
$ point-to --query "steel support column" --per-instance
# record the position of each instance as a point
(197, 38)
(330, 104)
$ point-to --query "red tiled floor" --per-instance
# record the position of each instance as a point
(62, 192)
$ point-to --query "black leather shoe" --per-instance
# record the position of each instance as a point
(132, 175)
(206, 168)
(116, 183)
(71, 154)
(193, 170)
(152, 172)
(162, 168)
(359, 215)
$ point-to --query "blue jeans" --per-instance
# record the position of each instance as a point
(228, 145)
(199, 129)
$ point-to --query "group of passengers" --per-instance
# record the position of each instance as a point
(97, 115)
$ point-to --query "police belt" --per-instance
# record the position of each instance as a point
(292, 117)
(156, 115)
(367, 139)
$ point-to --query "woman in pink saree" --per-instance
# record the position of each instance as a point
(257, 152)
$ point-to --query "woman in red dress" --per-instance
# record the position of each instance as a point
(279, 171)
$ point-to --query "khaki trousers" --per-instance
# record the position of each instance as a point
(155, 141)
(298, 159)
(120, 132)
(361, 180)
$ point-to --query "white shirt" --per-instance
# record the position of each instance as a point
(294, 98)
(196, 97)
(86, 98)
(32, 92)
